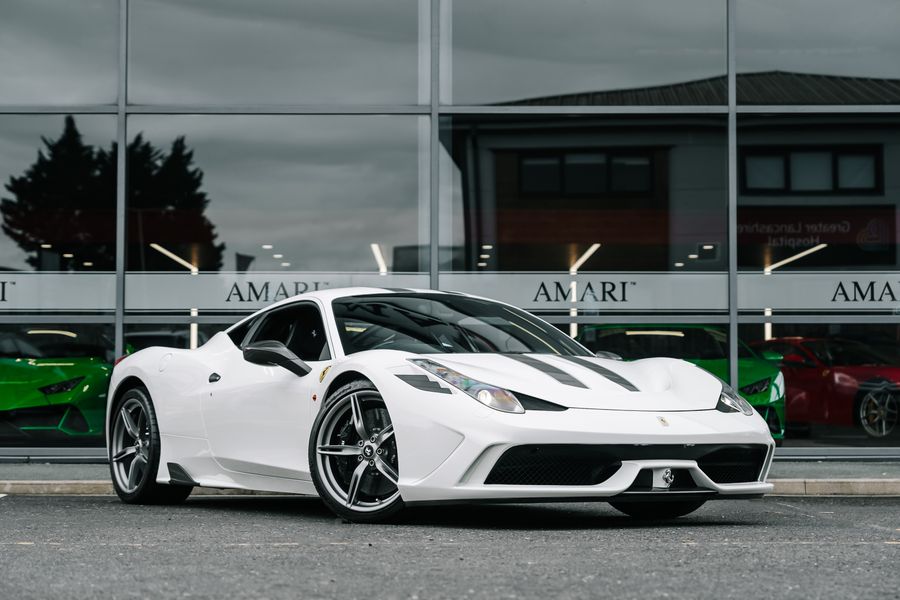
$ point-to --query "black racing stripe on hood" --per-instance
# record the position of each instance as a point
(611, 375)
(557, 374)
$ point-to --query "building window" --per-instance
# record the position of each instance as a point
(588, 173)
(811, 170)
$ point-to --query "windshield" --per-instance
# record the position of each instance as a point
(844, 353)
(445, 323)
(633, 343)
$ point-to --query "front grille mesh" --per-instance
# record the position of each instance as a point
(551, 465)
(588, 464)
(738, 464)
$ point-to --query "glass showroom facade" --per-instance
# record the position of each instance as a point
(707, 179)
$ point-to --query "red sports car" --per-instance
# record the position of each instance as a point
(838, 382)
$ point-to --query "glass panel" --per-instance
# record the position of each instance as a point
(54, 383)
(856, 171)
(59, 53)
(58, 212)
(811, 171)
(279, 52)
(817, 52)
(842, 381)
(764, 172)
(585, 173)
(631, 174)
(298, 200)
(541, 175)
(648, 220)
(813, 226)
(138, 337)
(651, 238)
(574, 52)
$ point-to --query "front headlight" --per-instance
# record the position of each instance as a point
(489, 395)
(731, 401)
(63, 386)
(757, 387)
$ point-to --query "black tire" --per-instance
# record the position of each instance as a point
(657, 510)
(339, 456)
(144, 447)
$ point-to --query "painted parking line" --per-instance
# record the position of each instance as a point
(2, 495)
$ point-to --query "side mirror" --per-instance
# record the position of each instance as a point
(770, 355)
(795, 361)
(606, 354)
(270, 352)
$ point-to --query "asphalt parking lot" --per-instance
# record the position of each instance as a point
(288, 547)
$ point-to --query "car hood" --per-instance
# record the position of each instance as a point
(653, 384)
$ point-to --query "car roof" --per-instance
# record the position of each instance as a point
(326, 296)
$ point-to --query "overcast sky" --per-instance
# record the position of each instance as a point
(321, 189)
(375, 51)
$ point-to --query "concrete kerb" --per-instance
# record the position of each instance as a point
(783, 487)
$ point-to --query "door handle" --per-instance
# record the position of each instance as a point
(214, 377)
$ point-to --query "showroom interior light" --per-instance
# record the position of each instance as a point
(70, 334)
(168, 253)
(573, 270)
(655, 332)
(767, 326)
(267, 246)
(573, 285)
(379, 258)
(790, 259)
(68, 255)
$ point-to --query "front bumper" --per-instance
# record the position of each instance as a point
(457, 466)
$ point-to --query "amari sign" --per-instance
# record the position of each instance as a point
(605, 292)
(820, 291)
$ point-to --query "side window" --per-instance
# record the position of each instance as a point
(300, 328)
(238, 334)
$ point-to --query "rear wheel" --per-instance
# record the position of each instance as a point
(134, 453)
(353, 455)
(658, 510)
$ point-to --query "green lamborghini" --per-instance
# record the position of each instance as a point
(53, 385)
(760, 381)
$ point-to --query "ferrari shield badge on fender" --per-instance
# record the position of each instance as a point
(324, 373)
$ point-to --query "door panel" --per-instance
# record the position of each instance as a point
(258, 417)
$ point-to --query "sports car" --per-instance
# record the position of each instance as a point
(833, 381)
(53, 385)
(374, 399)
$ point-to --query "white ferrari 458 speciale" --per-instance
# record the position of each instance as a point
(374, 399)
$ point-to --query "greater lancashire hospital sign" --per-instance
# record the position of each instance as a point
(605, 292)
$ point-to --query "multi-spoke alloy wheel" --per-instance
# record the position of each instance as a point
(134, 452)
(353, 454)
(130, 445)
(879, 411)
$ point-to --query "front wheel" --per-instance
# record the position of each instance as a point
(353, 455)
(134, 453)
(658, 510)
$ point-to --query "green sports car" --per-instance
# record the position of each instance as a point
(760, 381)
(53, 385)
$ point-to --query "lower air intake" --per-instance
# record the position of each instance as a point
(590, 464)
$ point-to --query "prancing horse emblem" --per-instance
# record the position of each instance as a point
(668, 477)
(662, 421)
